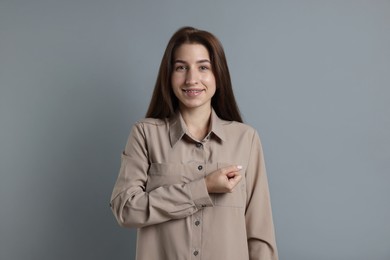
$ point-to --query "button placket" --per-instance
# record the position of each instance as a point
(197, 234)
(199, 166)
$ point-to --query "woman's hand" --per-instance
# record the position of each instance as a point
(223, 180)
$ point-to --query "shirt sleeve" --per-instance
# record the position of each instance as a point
(132, 206)
(258, 216)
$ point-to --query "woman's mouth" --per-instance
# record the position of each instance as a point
(192, 92)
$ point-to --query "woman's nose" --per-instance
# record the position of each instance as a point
(191, 77)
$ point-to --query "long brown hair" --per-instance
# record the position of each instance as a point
(164, 102)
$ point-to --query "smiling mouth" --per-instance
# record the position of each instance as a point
(192, 91)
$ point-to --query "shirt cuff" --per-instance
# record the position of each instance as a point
(200, 195)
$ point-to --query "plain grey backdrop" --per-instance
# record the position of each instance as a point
(313, 77)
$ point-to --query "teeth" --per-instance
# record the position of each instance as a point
(192, 91)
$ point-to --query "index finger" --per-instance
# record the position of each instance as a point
(231, 168)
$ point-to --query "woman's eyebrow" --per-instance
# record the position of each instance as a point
(180, 61)
(199, 61)
(202, 61)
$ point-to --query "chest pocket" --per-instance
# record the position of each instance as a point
(163, 174)
(233, 199)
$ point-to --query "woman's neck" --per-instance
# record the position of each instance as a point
(197, 121)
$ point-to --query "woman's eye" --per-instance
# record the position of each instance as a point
(204, 68)
(180, 68)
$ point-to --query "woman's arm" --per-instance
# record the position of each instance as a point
(134, 207)
(258, 216)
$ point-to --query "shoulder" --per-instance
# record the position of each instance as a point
(240, 132)
(146, 122)
(243, 126)
(148, 125)
(239, 127)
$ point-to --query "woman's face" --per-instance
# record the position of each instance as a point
(193, 81)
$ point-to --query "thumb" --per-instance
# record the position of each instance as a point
(234, 181)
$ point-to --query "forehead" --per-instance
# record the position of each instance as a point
(191, 51)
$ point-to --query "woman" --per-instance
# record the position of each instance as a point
(192, 177)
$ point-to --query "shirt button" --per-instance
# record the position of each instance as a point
(198, 145)
(200, 167)
(197, 223)
(196, 252)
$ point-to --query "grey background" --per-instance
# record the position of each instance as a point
(313, 77)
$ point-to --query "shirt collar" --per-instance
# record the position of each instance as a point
(178, 128)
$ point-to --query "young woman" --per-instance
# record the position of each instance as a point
(192, 177)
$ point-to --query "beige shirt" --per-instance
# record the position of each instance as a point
(161, 190)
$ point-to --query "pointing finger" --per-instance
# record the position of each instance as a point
(232, 168)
